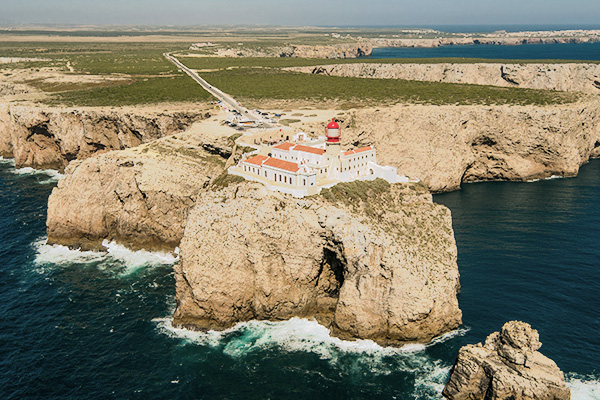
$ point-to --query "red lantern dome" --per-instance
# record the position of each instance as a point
(333, 132)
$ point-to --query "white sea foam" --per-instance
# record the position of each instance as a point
(10, 161)
(296, 334)
(129, 261)
(547, 179)
(583, 387)
(448, 336)
(56, 254)
(302, 335)
(53, 175)
(431, 381)
(134, 260)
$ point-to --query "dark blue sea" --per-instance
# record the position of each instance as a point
(560, 51)
(87, 325)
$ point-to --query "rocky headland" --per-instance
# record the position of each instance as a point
(568, 77)
(369, 260)
(51, 137)
(507, 366)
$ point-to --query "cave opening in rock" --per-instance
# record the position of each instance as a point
(333, 268)
(41, 129)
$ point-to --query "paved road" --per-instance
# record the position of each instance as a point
(225, 98)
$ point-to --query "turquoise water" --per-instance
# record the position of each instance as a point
(563, 51)
(85, 325)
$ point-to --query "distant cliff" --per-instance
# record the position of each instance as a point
(507, 39)
(349, 50)
(46, 137)
(582, 77)
(369, 260)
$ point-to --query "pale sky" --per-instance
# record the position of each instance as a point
(300, 12)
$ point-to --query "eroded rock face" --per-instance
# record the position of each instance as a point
(6, 148)
(139, 197)
(507, 366)
(447, 145)
(51, 138)
(579, 77)
(349, 50)
(383, 270)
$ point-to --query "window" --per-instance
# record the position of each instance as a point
(304, 182)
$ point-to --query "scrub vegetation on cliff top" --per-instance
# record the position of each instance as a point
(147, 77)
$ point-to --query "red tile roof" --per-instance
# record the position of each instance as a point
(308, 149)
(358, 150)
(285, 165)
(284, 146)
(256, 160)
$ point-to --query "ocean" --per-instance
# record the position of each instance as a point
(89, 325)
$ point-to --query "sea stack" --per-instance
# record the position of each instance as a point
(507, 366)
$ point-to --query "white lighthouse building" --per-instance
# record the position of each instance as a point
(301, 169)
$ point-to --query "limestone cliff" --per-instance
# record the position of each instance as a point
(6, 148)
(348, 50)
(447, 145)
(369, 260)
(507, 366)
(579, 77)
(42, 137)
(139, 197)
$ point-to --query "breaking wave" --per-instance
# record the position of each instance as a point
(53, 175)
(302, 335)
(583, 387)
(115, 256)
(546, 179)
(10, 161)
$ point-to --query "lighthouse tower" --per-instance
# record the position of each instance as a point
(333, 138)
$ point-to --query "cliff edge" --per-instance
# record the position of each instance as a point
(139, 197)
(369, 260)
(48, 137)
(507, 366)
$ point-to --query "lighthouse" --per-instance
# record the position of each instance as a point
(333, 138)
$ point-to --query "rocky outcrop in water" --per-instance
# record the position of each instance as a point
(581, 77)
(52, 137)
(368, 260)
(138, 197)
(447, 145)
(507, 366)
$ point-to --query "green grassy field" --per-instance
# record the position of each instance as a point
(173, 89)
(259, 83)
